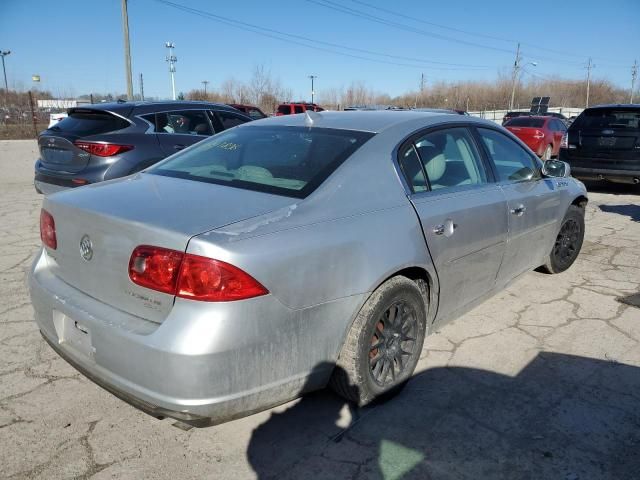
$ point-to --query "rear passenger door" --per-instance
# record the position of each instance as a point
(461, 210)
(179, 129)
(533, 203)
(229, 119)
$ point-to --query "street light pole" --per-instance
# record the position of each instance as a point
(127, 50)
(312, 77)
(590, 66)
(172, 59)
(205, 83)
(3, 54)
(634, 74)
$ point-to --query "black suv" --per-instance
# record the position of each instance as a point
(110, 140)
(603, 143)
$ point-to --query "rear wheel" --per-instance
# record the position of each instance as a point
(568, 242)
(546, 155)
(384, 343)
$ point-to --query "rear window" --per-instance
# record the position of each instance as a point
(284, 109)
(290, 161)
(601, 118)
(525, 122)
(90, 123)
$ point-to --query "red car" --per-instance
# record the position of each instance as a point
(295, 107)
(543, 135)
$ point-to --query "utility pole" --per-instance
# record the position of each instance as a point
(172, 59)
(205, 83)
(312, 77)
(514, 76)
(3, 54)
(141, 88)
(127, 50)
(634, 75)
(590, 66)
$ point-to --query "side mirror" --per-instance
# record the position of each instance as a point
(556, 169)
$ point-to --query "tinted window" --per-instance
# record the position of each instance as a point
(256, 114)
(412, 169)
(90, 123)
(298, 109)
(513, 163)
(186, 122)
(525, 122)
(601, 118)
(450, 159)
(230, 120)
(558, 126)
(290, 161)
(284, 109)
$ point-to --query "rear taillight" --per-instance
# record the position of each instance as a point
(155, 268)
(564, 143)
(102, 149)
(48, 230)
(538, 134)
(191, 276)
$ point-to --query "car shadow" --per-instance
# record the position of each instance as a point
(632, 211)
(562, 416)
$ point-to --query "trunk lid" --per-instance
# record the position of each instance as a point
(57, 152)
(145, 209)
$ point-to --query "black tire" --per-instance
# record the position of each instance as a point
(366, 350)
(568, 243)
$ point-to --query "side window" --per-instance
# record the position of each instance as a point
(187, 122)
(450, 159)
(255, 114)
(230, 119)
(412, 169)
(560, 126)
(298, 109)
(513, 163)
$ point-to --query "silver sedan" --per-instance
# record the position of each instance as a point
(294, 252)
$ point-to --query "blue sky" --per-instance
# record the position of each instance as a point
(76, 46)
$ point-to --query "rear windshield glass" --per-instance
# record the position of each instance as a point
(90, 123)
(284, 109)
(608, 118)
(291, 161)
(525, 122)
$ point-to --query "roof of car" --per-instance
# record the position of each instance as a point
(125, 108)
(362, 120)
(616, 105)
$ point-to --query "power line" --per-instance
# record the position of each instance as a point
(299, 39)
(468, 32)
(401, 26)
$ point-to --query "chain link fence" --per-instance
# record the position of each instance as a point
(20, 116)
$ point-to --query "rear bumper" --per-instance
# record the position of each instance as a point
(206, 363)
(617, 176)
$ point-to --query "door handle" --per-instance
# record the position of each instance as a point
(178, 147)
(438, 229)
(447, 228)
(519, 210)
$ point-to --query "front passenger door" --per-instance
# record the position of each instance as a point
(462, 213)
(532, 202)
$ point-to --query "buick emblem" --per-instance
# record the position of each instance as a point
(52, 141)
(86, 248)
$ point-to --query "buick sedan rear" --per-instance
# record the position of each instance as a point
(234, 275)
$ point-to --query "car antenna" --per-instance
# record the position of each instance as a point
(311, 117)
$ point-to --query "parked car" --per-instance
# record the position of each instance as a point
(254, 112)
(293, 108)
(603, 143)
(109, 140)
(543, 135)
(509, 115)
(232, 275)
